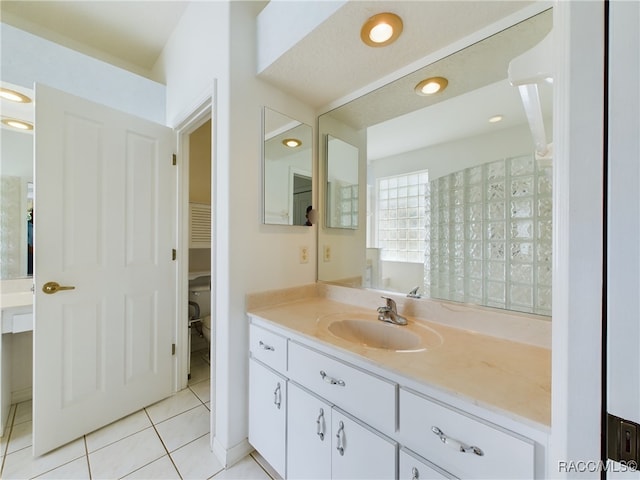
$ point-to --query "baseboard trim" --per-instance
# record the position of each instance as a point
(22, 395)
(231, 456)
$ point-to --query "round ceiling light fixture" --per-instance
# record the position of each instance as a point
(291, 142)
(17, 124)
(496, 119)
(13, 96)
(381, 30)
(431, 85)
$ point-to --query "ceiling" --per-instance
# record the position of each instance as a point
(129, 34)
(328, 65)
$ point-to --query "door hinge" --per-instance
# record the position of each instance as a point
(174, 159)
(623, 440)
(173, 349)
(174, 254)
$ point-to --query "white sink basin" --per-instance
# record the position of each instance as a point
(368, 331)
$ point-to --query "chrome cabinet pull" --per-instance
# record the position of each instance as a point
(265, 346)
(331, 380)
(340, 437)
(277, 396)
(457, 444)
(320, 425)
(415, 474)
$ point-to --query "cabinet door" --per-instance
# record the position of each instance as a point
(267, 414)
(412, 467)
(360, 452)
(308, 435)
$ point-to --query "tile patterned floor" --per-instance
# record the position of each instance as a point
(168, 440)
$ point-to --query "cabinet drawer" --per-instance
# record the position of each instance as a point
(268, 347)
(413, 467)
(502, 454)
(371, 398)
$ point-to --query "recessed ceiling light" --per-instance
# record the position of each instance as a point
(19, 124)
(13, 96)
(381, 29)
(291, 142)
(432, 85)
(496, 119)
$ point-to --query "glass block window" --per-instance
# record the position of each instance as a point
(489, 236)
(401, 216)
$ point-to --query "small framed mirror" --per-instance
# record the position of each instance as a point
(342, 184)
(287, 163)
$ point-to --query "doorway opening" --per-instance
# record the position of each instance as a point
(195, 304)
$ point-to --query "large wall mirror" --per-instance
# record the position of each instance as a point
(455, 185)
(16, 188)
(287, 169)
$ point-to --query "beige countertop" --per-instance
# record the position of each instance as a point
(489, 371)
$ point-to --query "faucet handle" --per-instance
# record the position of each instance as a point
(391, 304)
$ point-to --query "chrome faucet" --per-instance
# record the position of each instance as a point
(389, 313)
(414, 293)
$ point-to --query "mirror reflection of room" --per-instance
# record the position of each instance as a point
(287, 168)
(16, 188)
(459, 180)
(342, 184)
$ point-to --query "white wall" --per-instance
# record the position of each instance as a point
(449, 157)
(26, 59)
(577, 224)
(215, 42)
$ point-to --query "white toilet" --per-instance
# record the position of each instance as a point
(200, 306)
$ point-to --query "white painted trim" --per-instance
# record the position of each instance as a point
(577, 232)
(233, 455)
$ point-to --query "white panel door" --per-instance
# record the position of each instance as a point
(104, 224)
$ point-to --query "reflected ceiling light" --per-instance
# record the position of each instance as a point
(291, 142)
(19, 124)
(381, 29)
(13, 96)
(496, 119)
(432, 85)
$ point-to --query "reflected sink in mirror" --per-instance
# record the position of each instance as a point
(366, 331)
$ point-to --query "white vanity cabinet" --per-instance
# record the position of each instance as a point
(413, 467)
(359, 452)
(268, 414)
(459, 443)
(315, 412)
(324, 442)
(309, 438)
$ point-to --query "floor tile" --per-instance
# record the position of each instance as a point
(196, 460)
(184, 428)
(127, 455)
(202, 390)
(200, 370)
(23, 412)
(22, 464)
(75, 470)
(21, 437)
(265, 465)
(118, 430)
(162, 468)
(174, 405)
(247, 468)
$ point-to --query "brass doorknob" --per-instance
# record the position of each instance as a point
(53, 287)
